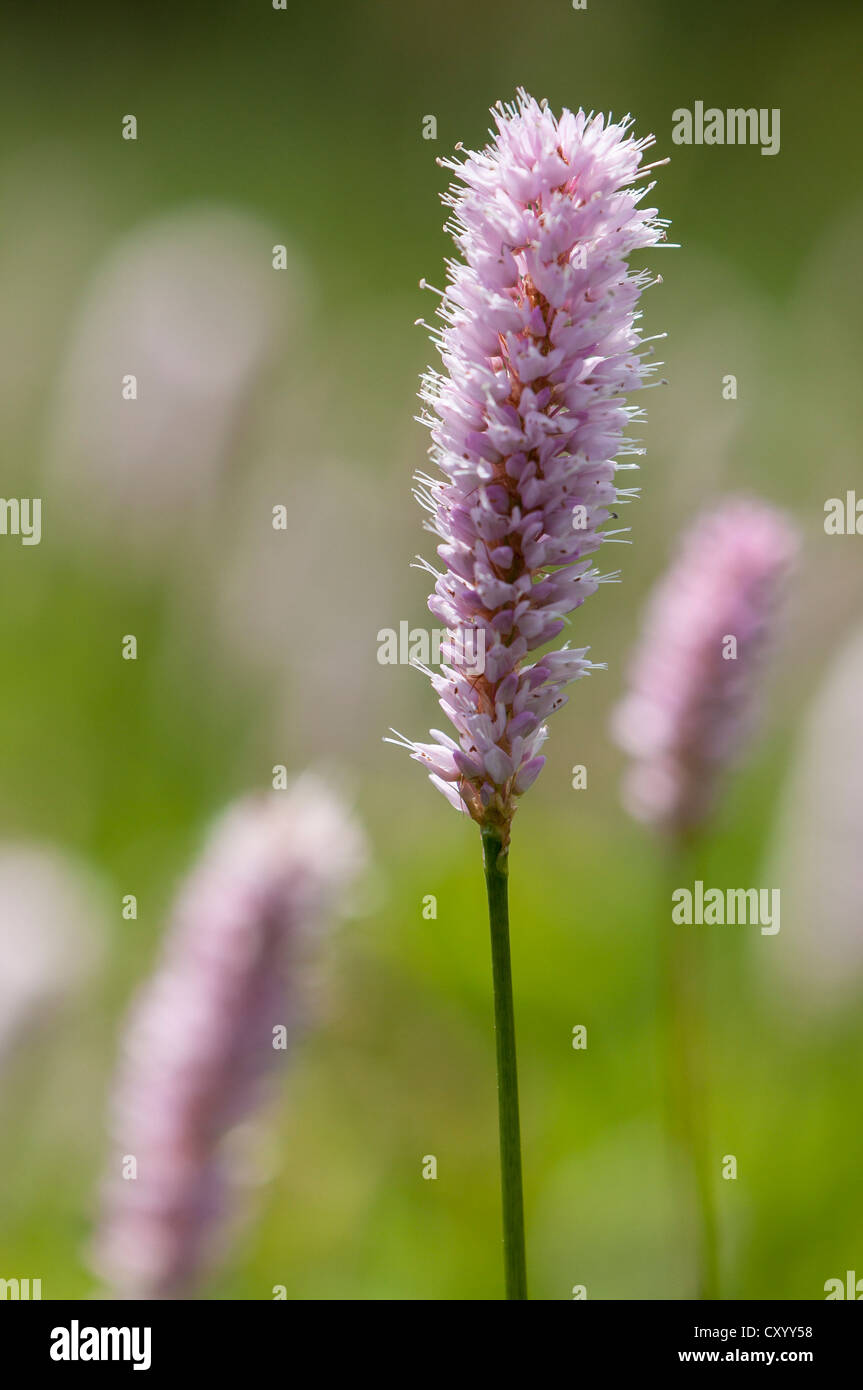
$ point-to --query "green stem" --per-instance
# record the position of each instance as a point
(686, 1071)
(496, 879)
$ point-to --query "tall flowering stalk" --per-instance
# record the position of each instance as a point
(693, 697)
(206, 1034)
(539, 344)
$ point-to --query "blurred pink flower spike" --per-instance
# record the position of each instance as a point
(539, 345)
(208, 1029)
(695, 679)
(176, 328)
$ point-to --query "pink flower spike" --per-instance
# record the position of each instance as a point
(694, 681)
(210, 1027)
(539, 344)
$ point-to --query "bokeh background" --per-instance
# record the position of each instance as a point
(259, 647)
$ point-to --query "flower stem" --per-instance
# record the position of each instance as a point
(496, 878)
(686, 1075)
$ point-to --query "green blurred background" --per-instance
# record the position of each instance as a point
(257, 647)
